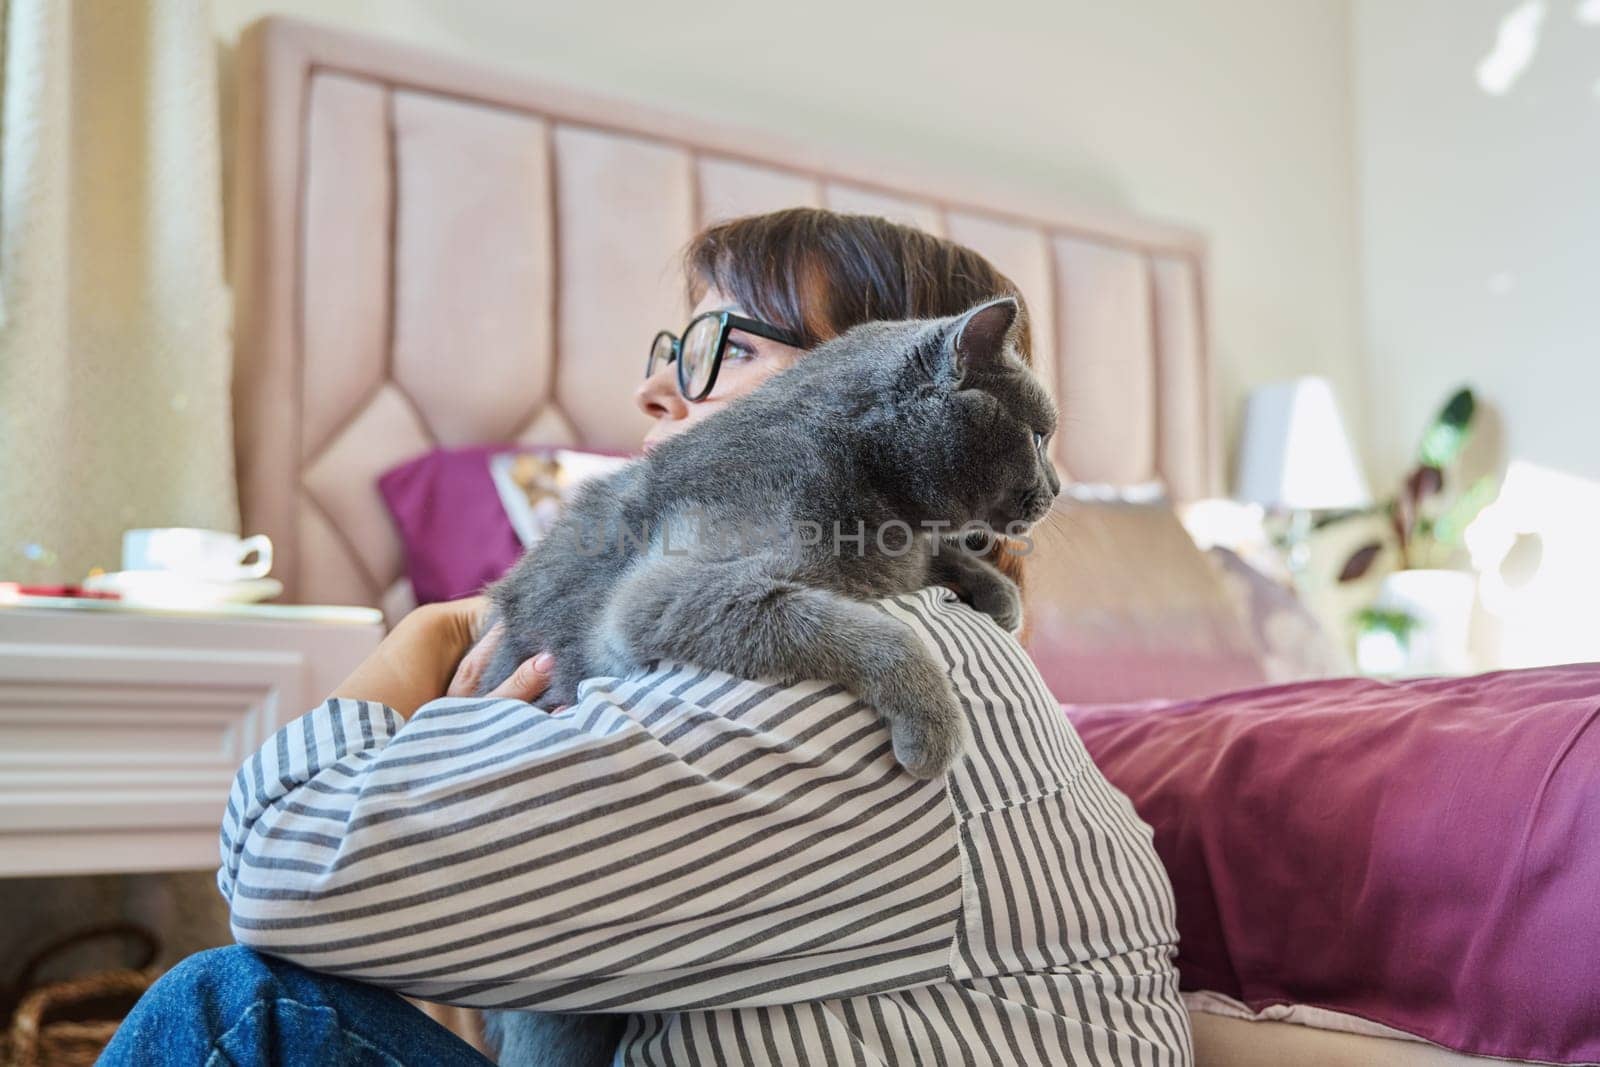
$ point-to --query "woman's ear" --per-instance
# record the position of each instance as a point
(982, 336)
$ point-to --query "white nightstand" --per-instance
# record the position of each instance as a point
(121, 729)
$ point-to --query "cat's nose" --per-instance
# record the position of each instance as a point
(1036, 505)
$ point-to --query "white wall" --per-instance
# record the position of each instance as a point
(1480, 223)
(1232, 116)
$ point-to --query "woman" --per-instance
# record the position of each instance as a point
(740, 869)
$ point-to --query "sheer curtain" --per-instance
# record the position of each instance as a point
(114, 351)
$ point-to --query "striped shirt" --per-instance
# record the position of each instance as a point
(740, 866)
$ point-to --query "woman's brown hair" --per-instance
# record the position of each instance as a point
(817, 273)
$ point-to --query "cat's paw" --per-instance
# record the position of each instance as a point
(926, 722)
(981, 585)
(1002, 602)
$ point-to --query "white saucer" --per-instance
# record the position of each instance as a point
(167, 589)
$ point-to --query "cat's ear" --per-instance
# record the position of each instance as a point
(981, 337)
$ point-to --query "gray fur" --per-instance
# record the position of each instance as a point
(891, 427)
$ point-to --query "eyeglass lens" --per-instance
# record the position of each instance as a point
(660, 353)
(699, 356)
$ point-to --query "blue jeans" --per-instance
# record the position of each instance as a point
(232, 1006)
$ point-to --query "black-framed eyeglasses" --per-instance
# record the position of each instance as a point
(699, 353)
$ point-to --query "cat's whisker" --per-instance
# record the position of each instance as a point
(1053, 529)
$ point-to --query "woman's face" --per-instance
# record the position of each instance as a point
(746, 363)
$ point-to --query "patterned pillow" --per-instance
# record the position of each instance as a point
(1123, 606)
(1290, 643)
(460, 529)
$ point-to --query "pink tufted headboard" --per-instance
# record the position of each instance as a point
(427, 252)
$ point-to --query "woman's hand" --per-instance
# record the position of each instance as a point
(531, 678)
(431, 653)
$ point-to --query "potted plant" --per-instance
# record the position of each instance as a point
(1423, 609)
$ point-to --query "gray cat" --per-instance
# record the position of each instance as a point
(751, 542)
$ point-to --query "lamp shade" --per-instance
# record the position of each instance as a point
(1294, 453)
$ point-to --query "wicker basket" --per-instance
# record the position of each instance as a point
(69, 1023)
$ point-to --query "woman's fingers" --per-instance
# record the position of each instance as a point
(529, 681)
(469, 672)
(433, 652)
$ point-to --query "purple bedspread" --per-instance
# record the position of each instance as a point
(1423, 854)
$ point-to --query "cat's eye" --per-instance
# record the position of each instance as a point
(1038, 440)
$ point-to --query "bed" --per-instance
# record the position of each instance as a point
(420, 246)
(427, 253)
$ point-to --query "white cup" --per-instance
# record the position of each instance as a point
(208, 555)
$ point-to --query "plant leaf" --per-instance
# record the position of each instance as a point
(1443, 441)
(1398, 623)
(1424, 482)
(1451, 527)
(1459, 409)
(1400, 522)
(1360, 562)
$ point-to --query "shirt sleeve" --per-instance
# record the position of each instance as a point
(676, 840)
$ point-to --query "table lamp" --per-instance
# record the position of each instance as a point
(1295, 457)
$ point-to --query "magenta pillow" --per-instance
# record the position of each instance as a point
(1420, 854)
(456, 533)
